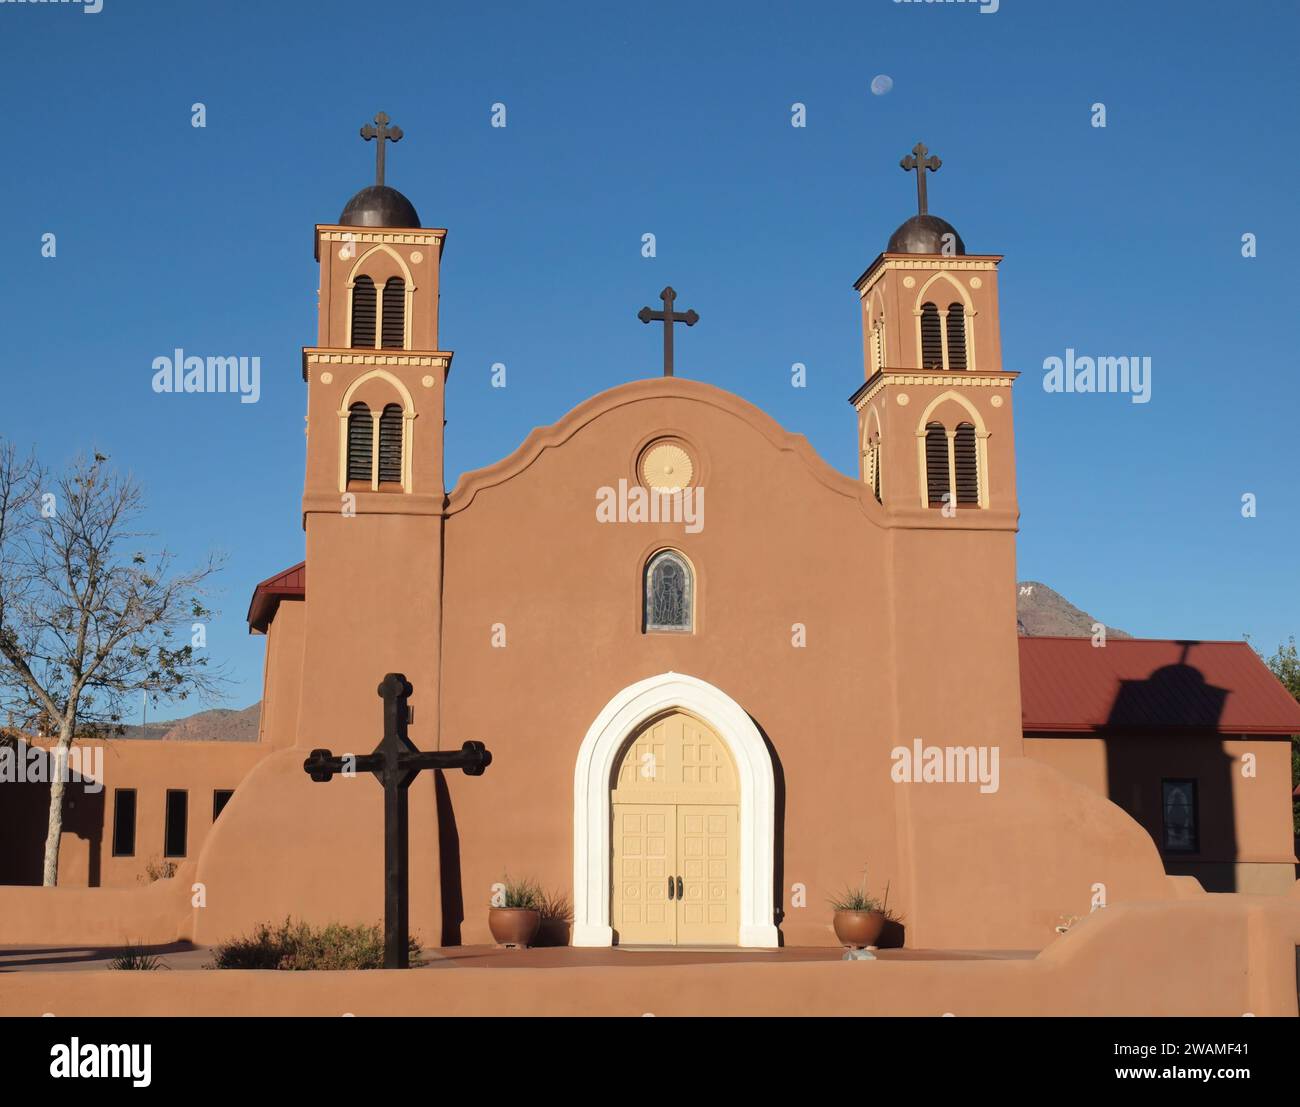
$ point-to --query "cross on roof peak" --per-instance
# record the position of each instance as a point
(384, 133)
(917, 160)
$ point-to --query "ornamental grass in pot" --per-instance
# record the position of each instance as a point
(515, 913)
(860, 918)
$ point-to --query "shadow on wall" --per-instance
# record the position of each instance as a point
(24, 817)
(1167, 768)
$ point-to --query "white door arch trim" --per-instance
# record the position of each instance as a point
(592, 853)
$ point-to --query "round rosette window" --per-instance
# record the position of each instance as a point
(666, 467)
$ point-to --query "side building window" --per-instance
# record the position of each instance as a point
(176, 824)
(669, 593)
(220, 797)
(124, 822)
(1178, 804)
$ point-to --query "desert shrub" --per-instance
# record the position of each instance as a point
(300, 946)
(135, 957)
(521, 893)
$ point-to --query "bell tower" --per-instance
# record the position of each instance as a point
(373, 492)
(937, 451)
(934, 416)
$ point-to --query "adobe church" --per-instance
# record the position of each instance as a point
(705, 723)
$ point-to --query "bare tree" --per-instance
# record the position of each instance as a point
(87, 619)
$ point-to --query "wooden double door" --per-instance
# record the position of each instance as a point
(675, 836)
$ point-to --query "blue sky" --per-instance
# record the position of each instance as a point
(675, 120)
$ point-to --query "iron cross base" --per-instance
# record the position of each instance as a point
(395, 763)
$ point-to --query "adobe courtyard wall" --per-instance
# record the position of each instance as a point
(1213, 956)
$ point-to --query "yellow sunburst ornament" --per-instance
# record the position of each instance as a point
(667, 467)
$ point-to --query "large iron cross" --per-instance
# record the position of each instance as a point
(668, 317)
(384, 133)
(396, 762)
(918, 161)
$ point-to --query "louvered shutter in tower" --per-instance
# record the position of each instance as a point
(363, 313)
(966, 459)
(360, 442)
(390, 445)
(394, 324)
(956, 336)
(931, 337)
(936, 463)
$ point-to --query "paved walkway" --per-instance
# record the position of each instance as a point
(182, 955)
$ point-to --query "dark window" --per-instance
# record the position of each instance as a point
(1178, 800)
(220, 797)
(363, 312)
(936, 463)
(390, 444)
(360, 442)
(966, 462)
(956, 336)
(175, 829)
(394, 324)
(931, 337)
(668, 599)
(124, 822)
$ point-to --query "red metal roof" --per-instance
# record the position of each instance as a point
(288, 585)
(1148, 685)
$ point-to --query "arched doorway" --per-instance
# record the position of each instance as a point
(630, 714)
(675, 805)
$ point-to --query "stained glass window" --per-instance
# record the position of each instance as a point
(668, 593)
(1179, 798)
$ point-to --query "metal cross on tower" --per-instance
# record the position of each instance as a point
(918, 161)
(384, 133)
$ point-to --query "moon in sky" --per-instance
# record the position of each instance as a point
(881, 84)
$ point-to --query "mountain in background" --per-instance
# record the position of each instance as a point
(1043, 612)
(219, 724)
(1040, 611)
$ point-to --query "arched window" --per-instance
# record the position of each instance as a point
(878, 346)
(390, 444)
(361, 443)
(363, 312)
(669, 593)
(871, 464)
(937, 483)
(966, 464)
(394, 323)
(957, 336)
(931, 337)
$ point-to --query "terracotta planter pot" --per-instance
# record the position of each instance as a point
(859, 929)
(514, 926)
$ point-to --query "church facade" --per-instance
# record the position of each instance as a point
(718, 677)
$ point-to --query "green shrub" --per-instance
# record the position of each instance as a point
(301, 946)
(857, 899)
(521, 893)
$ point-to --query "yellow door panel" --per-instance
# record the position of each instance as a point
(709, 864)
(645, 857)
